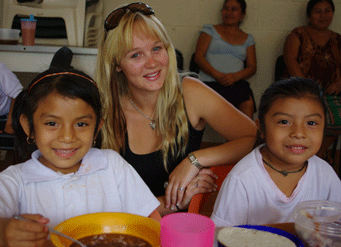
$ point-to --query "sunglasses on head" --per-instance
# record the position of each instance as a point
(115, 17)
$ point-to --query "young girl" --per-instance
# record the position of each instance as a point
(60, 115)
(267, 184)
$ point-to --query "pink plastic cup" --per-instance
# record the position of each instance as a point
(28, 30)
(186, 230)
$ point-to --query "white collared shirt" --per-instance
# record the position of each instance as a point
(105, 182)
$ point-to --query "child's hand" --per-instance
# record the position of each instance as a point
(31, 232)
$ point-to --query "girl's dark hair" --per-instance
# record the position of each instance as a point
(242, 4)
(70, 83)
(312, 3)
(294, 87)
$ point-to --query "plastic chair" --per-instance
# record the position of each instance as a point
(204, 203)
(6, 140)
(73, 13)
(193, 66)
(179, 60)
(280, 68)
(93, 24)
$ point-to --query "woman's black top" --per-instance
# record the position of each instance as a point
(150, 166)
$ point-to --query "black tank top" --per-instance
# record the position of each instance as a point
(150, 166)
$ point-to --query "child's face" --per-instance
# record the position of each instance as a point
(293, 131)
(63, 131)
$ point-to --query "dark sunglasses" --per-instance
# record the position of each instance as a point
(115, 17)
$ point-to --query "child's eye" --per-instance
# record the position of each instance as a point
(51, 123)
(82, 124)
(283, 122)
(312, 123)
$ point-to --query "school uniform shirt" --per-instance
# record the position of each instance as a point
(10, 87)
(249, 196)
(105, 182)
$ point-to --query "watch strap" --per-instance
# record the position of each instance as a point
(194, 161)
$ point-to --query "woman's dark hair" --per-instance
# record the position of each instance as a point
(242, 4)
(312, 3)
(294, 87)
(70, 83)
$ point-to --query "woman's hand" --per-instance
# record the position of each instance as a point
(26, 233)
(181, 176)
(226, 79)
(202, 183)
(334, 88)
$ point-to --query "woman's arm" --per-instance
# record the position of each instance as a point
(200, 52)
(204, 105)
(290, 52)
(251, 65)
(8, 127)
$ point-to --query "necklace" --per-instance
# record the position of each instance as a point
(152, 123)
(284, 172)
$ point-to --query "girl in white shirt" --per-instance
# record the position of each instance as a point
(267, 184)
(59, 116)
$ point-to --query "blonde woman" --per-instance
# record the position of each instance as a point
(156, 119)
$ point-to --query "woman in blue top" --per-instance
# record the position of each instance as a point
(227, 57)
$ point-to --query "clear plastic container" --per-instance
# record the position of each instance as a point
(9, 36)
(318, 223)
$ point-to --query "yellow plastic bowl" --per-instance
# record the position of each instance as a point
(98, 223)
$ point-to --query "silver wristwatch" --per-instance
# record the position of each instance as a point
(194, 161)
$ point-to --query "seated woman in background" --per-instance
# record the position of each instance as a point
(156, 119)
(227, 57)
(313, 51)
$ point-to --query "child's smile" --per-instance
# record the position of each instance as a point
(64, 131)
(293, 132)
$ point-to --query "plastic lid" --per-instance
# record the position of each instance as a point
(31, 19)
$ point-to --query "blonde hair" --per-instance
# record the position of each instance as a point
(171, 118)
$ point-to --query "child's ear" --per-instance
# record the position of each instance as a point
(259, 128)
(25, 125)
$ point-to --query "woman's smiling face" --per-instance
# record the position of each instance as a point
(146, 65)
(232, 13)
(321, 15)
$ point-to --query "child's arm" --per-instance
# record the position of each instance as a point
(155, 215)
(17, 233)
